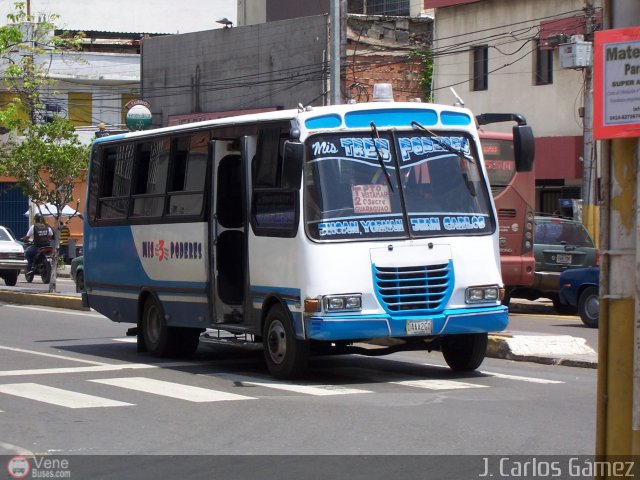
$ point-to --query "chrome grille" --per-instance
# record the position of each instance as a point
(413, 289)
(11, 256)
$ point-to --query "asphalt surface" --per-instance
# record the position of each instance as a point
(517, 346)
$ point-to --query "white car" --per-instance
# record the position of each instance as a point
(12, 260)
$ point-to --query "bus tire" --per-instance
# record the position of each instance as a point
(155, 332)
(589, 307)
(464, 353)
(285, 355)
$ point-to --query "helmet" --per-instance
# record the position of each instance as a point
(38, 217)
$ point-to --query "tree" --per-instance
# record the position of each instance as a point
(46, 159)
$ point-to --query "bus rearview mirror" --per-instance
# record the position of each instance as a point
(292, 165)
(524, 147)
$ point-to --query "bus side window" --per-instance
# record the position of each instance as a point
(274, 210)
(149, 179)
(188, 175)
(116, 181)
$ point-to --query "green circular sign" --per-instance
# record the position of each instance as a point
(138, 118)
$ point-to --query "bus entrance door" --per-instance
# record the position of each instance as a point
(228, 251)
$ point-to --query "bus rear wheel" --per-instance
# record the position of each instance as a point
(464, 353)
(285, 355)
(154, 328)
(162, 341)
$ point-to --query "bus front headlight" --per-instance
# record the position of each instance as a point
(336, 303)
(484, 293)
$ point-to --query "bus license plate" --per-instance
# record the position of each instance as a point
(419, 327)
(563, 258)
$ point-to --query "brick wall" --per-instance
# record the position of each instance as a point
(401, 71)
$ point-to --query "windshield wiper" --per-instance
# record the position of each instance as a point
(442, 144)
(470, 186)
(375, 135)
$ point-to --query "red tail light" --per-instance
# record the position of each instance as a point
(597, 258)
(47, 250)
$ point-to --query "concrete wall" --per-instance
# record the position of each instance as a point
(276, 64)
(552, 110)
(251, 12)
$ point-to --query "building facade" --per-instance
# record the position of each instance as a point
(504, 56)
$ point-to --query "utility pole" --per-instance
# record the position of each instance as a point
(334, 83)
(618, 392)
(589, 177)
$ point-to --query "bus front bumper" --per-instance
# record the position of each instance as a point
(449, 322)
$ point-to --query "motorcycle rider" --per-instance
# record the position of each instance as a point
(42, 235)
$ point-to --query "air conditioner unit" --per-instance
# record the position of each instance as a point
(577, 54)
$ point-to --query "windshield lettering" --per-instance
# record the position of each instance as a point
(464, 223)
(382, 226)
(364, 148)
(338, 228)
(431, 224)
(424, 145)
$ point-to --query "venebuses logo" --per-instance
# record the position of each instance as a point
(18, 467)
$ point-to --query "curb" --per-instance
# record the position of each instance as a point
(499, 347)
(43, 299)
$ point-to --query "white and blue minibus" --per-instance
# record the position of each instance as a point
(313, 230)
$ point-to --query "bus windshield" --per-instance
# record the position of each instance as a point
(499, 160)
(432, 186)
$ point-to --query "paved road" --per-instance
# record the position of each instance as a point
(72, 383)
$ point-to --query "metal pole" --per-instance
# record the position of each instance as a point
(618, 394)
(589, 208)
(335, 53)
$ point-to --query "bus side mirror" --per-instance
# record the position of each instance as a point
(292, 165)
(523, 147)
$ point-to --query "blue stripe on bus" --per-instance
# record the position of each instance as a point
(362, 327)
(290, 295)
(324, 121)
(455, 118)
(390, 117)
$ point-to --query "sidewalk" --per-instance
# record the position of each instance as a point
(521, 346)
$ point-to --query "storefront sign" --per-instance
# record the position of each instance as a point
(616, 83)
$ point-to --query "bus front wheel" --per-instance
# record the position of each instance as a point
(285, 355)
(464, 353)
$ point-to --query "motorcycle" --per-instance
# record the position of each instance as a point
(42, 264)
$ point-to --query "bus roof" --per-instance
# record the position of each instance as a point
(336, 117)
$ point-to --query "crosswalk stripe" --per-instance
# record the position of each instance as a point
(58, 396)
(395, 379)
(503, 375)
(126, 339)
(521, 379)
(171, 389)
(438, 384)
(317, 390)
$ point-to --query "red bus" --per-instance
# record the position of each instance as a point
(514, 197)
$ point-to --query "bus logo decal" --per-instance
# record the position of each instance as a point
(159, 250)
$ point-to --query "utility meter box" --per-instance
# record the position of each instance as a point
(577, 54)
